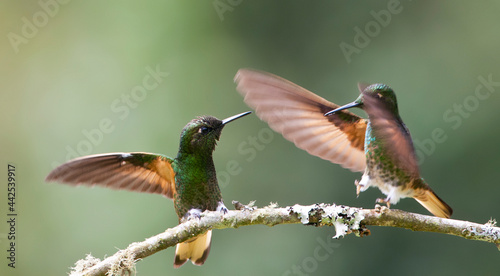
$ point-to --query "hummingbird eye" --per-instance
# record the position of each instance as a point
(204, 129)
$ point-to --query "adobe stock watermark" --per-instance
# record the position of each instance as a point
(223, 6)
(121, 107)
(31, 26)
(363, 37)
(322, 252)
(249, 148)
(455, 115)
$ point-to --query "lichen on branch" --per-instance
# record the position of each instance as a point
(345, 219)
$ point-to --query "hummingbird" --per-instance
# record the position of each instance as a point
(380, 146)
(189, 179)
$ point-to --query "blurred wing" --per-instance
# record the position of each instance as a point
(298, 115)
(137, 171)
(394, 135)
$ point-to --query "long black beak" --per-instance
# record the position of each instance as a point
(349, 105)
(232, 118)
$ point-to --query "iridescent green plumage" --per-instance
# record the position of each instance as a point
(189, 179)
(391, 163)
(379, 146)
(195, 177)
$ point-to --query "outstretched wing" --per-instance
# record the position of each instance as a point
(298, 115)
(136, 171)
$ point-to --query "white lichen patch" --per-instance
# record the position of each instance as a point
(341, 229)
(358, 217)
(152, 242)
(249, 207)
(487, 232)
(302, 212)
(83, 264)
(272, 205)
(125, 266)
(344, 219)
(491, 223)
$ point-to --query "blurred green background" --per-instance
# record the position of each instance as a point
(68, 67)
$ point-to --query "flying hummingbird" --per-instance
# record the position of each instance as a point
(379, 146)
(189, 179)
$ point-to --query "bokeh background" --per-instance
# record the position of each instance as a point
(71, 68)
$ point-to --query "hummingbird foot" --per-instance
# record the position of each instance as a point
(192, 214)
(222, 208)
(380, 209)
(358, 187)
(363, 184)
(386, 201)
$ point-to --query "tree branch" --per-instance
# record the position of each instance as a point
(345, 219)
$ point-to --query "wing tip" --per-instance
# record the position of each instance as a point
(240, 72)
(49, 178)
(54, 175)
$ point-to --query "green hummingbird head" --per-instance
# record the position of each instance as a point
(379, 95)
(201, 134)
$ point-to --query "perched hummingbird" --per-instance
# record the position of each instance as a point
(189, 179)
(380, 146)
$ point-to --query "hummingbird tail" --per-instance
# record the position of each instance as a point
(434, 204)
(195, 249)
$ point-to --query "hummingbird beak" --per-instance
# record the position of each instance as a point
(232, 118)
(349, 105)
